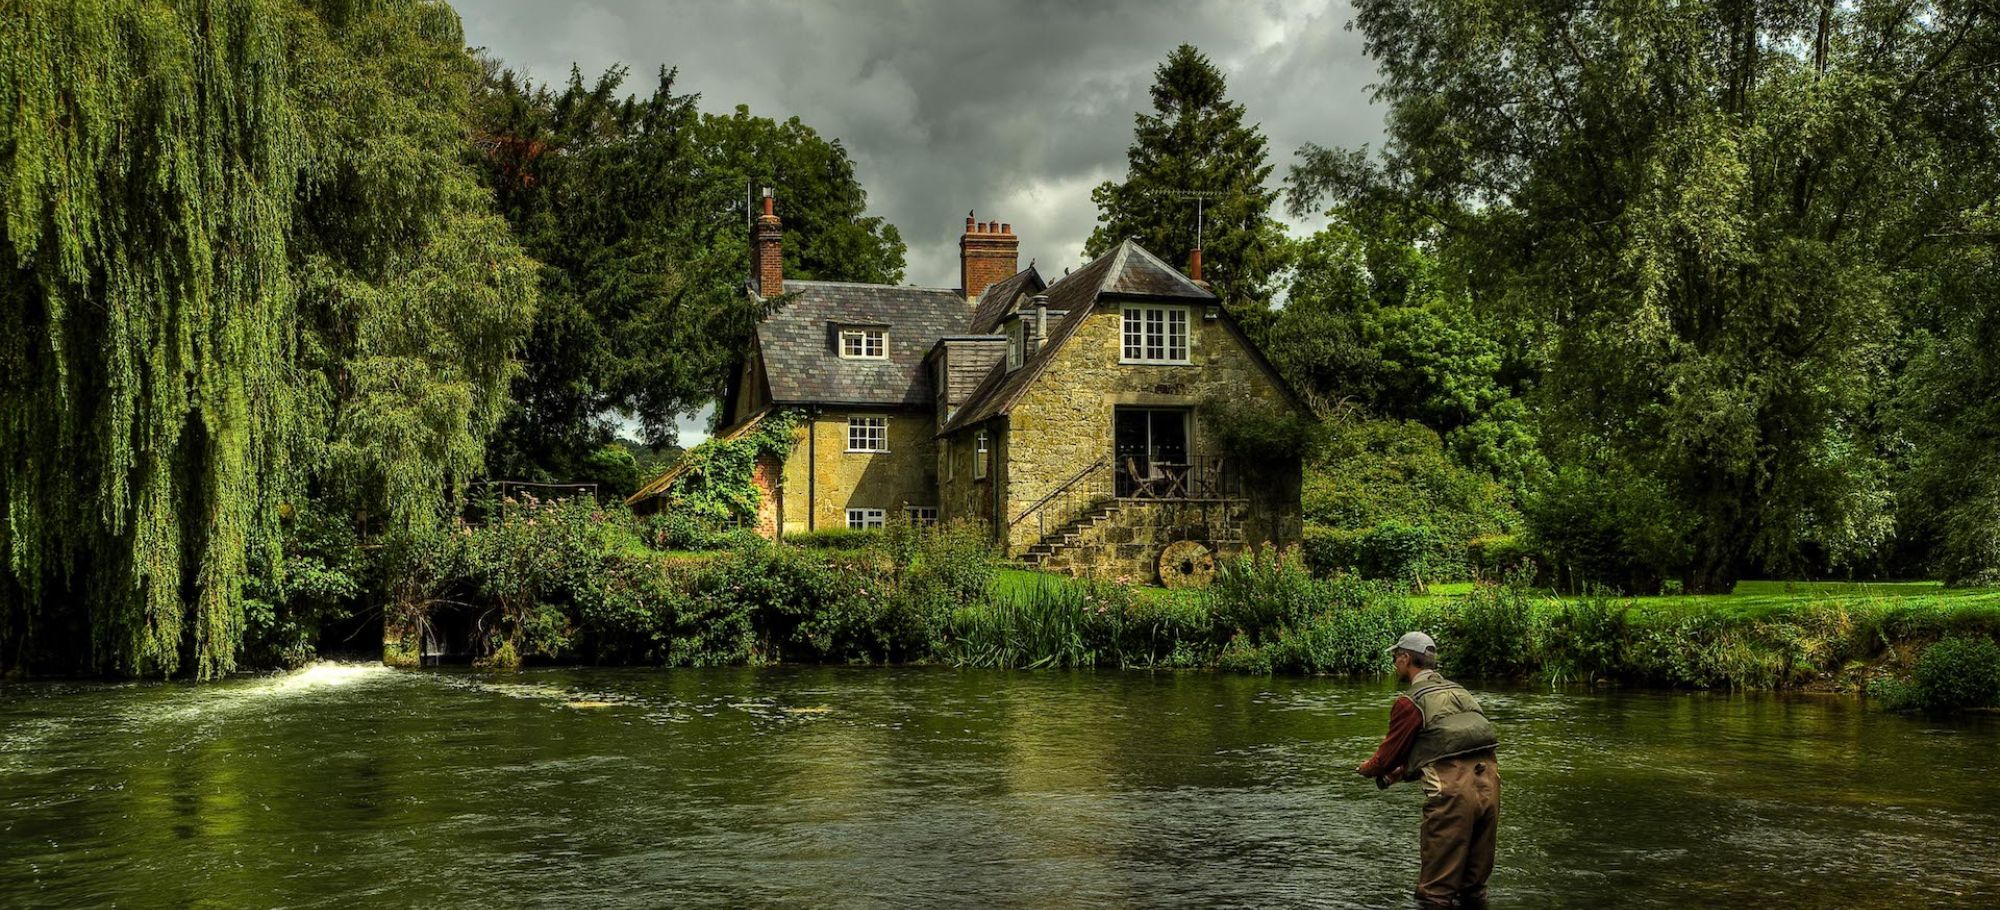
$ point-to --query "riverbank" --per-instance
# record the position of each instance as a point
(1768, 635)
(571, 586)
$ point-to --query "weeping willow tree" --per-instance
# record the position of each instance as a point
(243, 261)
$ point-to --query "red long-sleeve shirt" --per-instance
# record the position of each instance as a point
(1404, 720)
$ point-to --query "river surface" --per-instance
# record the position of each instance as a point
(354, 785)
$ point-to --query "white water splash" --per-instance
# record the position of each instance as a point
(327, 674)
(232, 699)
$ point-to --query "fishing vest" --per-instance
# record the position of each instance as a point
(1453, 724)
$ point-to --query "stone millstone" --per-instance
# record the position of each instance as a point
(1186, 564)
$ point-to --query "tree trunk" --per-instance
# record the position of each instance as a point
(1717, 566)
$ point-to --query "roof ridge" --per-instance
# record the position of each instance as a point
(868, 284)
(1117, 266)
(1162, 263)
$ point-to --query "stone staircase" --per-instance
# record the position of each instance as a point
(1121, 538)
(1054, 543)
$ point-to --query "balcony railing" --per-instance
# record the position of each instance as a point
(1209, 477)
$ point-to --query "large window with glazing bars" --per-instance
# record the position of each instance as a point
(1155, 334)
(868, 434)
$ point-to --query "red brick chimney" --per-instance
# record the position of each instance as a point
(987, 252)
(767, 263)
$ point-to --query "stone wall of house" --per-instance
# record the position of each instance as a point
(1127, 547)
(822, 480)
(1064, 421)
(962, 497)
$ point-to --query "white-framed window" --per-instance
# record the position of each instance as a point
(981, 451)
(1156, 334)
(868, 434)
(921, 515)
(1015, 335)
(863, 519)
(864, 343)
(944, 459)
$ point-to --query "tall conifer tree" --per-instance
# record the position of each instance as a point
(1196, 141)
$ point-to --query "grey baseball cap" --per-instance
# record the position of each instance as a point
(1414, 641)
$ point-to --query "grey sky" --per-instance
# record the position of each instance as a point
(1014, 110)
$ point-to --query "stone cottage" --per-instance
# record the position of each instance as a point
(1068, 417)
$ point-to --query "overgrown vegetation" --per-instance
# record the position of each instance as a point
(562, 581)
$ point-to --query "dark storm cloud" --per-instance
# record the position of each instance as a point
(1013, 109)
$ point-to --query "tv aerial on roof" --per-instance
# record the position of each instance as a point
(1200, 198)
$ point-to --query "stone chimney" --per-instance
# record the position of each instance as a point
(987, 252)
(1033, 337)
(767, 262)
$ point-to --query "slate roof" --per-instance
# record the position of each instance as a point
(995, 301)
(1124, 272)
(802, 366)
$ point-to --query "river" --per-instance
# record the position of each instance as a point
(348, 785)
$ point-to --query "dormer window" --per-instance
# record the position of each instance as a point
(1155, 334)
(1015, 341)
(863, 343)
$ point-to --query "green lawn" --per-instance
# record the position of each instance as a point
(1750, 599)
(1756, 598)
(1014, 583)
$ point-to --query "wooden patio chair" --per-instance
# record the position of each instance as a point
(1211, 478)
(1144, 486)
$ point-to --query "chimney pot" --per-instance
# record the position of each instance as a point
(987, 253)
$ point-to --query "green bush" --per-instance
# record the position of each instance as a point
(1958, 672)
(833, 539)
(1497, 556)
(1350, 637)
(1583, 641)
(1059, 623)
(1174, 631)
(1255, 595)
(1488, 633)
(1269, 614)
(1331, 551)
(1397, 551)
(1388, 479)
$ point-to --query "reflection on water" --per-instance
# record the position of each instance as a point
(347, 785)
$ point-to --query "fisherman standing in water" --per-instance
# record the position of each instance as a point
(1437, 734)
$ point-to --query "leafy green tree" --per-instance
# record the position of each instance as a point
(246, 268)
(1379, 323)
(829, 234)
(1196, 141)
(1708, 205)
(1947, 415)
(636, 207)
